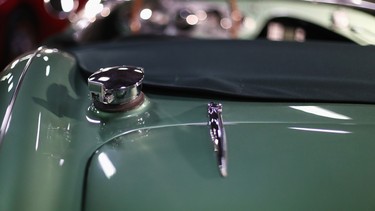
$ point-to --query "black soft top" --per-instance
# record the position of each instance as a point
(254, 70)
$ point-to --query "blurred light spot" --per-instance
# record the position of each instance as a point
(146, 14)
(201, 14)
(67, 5)
(236, 15)
(192, 19)
(275, 31)
(105, 12)
(250, 23)
(300, 35)
(45, 58)
(340, 19)
(82, 23)
(160, 18)
(226, 23)
(92, 8)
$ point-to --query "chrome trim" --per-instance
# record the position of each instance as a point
(218, 137)
(116, 88)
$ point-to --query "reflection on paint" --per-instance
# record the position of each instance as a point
(48, 69)
(104, 79)
(61, 162)
(10, 87)
(106, 165)
(14, 64)
(321, 112)
(37, 133)
(320, 130)
(92, 120)
(8, 77)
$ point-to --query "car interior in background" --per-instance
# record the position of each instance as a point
(194, 105)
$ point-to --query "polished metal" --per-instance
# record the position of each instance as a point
(116, 87)
(218, 137)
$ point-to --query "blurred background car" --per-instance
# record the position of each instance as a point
(290, 20)
(26, 23)
(29, 23)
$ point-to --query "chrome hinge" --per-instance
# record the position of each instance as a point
(218, 138)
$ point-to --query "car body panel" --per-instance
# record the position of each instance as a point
(49, 152)
(44, 139)
(58, 152)
(174, 168)
(9, 81)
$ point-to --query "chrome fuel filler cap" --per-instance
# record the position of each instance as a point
(115, 89)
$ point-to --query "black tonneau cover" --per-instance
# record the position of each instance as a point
(258, 70)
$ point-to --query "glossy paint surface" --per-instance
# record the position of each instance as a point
(35, 155)
(308, 162)
(281, 156)
(8, 84)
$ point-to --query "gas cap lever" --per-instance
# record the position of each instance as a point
(218, 137)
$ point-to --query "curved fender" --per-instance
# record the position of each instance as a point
(45, 139)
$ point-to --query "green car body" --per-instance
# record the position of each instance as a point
(58, 152)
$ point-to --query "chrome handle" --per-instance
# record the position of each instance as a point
(218, 137)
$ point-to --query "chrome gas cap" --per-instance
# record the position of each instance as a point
(115, 89)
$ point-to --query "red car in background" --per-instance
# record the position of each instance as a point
(26, 23)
